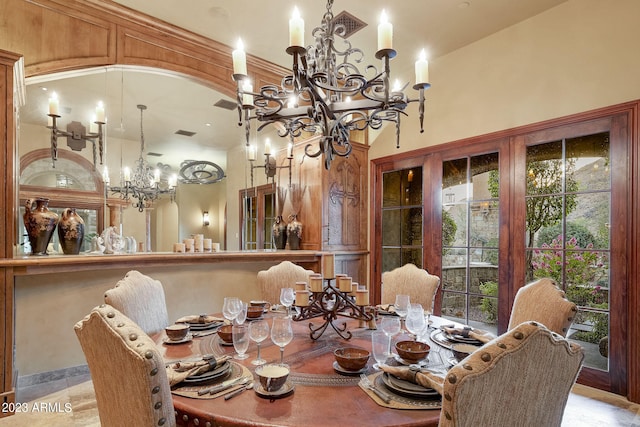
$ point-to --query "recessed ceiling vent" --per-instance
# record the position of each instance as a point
(351, 23)
(151, 153)
(185, 132)
(227, 105)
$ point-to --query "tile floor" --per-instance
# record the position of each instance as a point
(47, 405)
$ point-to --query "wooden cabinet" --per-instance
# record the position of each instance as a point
(331, 205)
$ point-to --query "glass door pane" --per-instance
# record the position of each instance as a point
(568, 203)
(402, 218)
(470, 206)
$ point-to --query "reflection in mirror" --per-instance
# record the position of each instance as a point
(185, 121)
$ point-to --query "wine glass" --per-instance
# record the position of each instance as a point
(390, 326)
(242, 313)
(415, 321)
(286, 298)
(402, 305)
(240, 337)
(281, 334)
(230, 308)
(258, 332)
(379, 347)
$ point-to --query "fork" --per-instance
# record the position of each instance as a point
(381, 394)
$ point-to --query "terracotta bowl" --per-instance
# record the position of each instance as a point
(351, 358)
(253, 312)
(272, 377)
(412, 351)
(225, 333)
(461, 350)
(177, 331)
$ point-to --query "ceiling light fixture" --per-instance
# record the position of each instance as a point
(313, 98)
(146, 184)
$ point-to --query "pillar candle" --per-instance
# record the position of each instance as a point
(302, 298)
(344, 284)
(247, 98)
(239, 59)
(315, 283)
(267, 147)
(301, 286)
(54, 104)
(126, 174)
(422, 69)
(252, 153)
(385, 33)
(362, 297)
(100, 112)
(296, 29)
(328, 266)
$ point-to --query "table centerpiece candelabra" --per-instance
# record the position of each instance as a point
(329, 297)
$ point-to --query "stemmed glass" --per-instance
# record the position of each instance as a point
(286, 298)
(242, 313)
(390, 326)
(230, 308)
(379, 347)
(402, 305)
(240, 336)
(281, 334)
(258, 332)
(415, 322)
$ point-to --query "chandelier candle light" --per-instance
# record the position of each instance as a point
(146, 184)
(76, 133)
(325, 95)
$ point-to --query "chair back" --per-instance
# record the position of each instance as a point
(542, 301)
(127, 371)
(283, 275)
(521, 378)
(140, 298)
(410, 280)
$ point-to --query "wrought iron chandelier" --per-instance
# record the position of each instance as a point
(326, 95)
(147, 184)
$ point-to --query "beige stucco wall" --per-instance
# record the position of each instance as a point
(576, 57)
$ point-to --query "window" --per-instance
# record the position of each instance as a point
(257, 217)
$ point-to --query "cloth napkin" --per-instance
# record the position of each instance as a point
(178, 371)
(424, 378)
(387, 308)
(199, 319)
(468, 332)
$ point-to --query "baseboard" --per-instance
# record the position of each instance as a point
(45, 377)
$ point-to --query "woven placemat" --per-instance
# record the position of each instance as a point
(235, 371)
(398, 402)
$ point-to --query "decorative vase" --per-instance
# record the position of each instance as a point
(294, 233)
(71, 231)
(280, 232)
(40, 224)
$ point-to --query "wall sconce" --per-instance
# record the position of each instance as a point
(76, 134)
(205, 218)
(269, 166)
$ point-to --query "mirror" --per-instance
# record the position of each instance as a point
(184, 121)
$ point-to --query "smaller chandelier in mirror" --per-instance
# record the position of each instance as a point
(144, 184)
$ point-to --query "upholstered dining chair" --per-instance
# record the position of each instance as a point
(522, 378)
(543, 302)
(127, 370)
(142, 299)
(283, 275)
(410, 280)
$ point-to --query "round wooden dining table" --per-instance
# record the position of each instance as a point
(321, 396)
